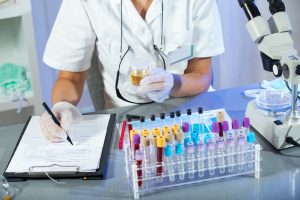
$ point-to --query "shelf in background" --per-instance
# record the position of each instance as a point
(11, 105)
(10, 9)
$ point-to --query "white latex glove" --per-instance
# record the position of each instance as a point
(157, 86)
(67, 114)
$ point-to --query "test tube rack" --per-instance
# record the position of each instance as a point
(207, 159)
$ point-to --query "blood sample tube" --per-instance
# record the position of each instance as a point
(139, 156)
(161, 143)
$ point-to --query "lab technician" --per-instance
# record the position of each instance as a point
(158, 33)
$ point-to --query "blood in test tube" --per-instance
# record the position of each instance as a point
(161, 143)
(136, 143)
(139, 156)
(129, 124)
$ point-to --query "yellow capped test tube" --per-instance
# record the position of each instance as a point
(175, 127)
(156, 131)
(165, 130)
(145, 132)
(220, 116)
(132, 133)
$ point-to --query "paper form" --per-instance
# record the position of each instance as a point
(34, 150)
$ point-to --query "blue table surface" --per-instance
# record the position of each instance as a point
(280, 177)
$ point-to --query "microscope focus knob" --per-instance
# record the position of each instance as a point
(277, 69)
(298, 70)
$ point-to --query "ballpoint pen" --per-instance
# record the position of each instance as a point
(55, 120)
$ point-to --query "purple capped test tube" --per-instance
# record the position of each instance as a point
(241, 150)
(246, 125)
(190, 157)
(235, 127)
(186, 129)
(200, 157)
(211, 157)
(221, 155)
(215, 129)
(231, 152)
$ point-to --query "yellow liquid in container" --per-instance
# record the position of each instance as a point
(137, 75)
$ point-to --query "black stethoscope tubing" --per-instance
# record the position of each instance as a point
(158, 50)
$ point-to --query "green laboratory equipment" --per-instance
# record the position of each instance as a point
(14, 81)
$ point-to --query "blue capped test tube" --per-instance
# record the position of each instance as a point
(169, 162)
(251, 149)
(180, 160)
(190, 118)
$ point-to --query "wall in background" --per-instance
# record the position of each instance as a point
(239, 65)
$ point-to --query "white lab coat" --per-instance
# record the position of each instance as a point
(81, 23)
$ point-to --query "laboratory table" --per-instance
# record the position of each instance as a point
(280, 176)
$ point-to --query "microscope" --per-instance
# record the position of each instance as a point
(275, 44)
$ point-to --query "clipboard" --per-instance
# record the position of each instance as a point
(65, 172)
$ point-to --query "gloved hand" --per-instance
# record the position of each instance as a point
(67, 114)
(157, 86)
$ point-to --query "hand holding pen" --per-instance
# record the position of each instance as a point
(54, 129)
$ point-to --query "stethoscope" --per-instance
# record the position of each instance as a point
(122, 56)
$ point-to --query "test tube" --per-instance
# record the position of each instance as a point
(251, 149)
(145, 143)
(221, 155)
(231, 153)
(200, 157)
(241, 151)
(155, 135)
(175, 127)
(235, 128)
(179, 136)
(186, 129)
(178, 118)
(152, 119)
(165, 130)
(215, 130)
(246, 125)
(226, 131)
(136, 143)
(131, 134)
(190, 157)
(139, 156)
(169, 162)
(172, 118)
(180, 160)
(162, 119)
(200, 120)
(211, 157)
(169, 137)
(129, 124)
(161, 143)
(142, 122)
(190, 118)
(220, 116)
